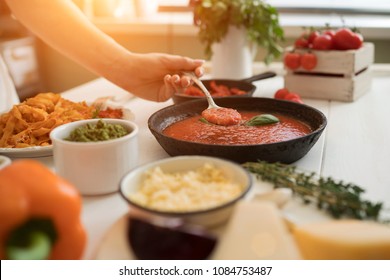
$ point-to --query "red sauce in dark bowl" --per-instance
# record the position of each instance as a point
(194, 130)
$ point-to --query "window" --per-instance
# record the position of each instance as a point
(318, 6)
(334, 6)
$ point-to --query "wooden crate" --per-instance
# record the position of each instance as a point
(339, 75)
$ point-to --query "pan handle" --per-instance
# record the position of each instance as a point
(258, 77)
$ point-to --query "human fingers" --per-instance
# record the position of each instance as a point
(167, 90)
(177, 83)
(199, 71)
(186, 80)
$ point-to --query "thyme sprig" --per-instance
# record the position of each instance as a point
(339, 199)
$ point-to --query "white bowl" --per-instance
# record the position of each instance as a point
(208, 217)
(4, 161)
(95, 168)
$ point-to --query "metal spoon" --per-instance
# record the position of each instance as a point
(209, 98)
(214, 113)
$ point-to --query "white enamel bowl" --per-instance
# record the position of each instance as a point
(206, 217)
(95, 168)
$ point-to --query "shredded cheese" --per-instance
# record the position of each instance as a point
(200, 189)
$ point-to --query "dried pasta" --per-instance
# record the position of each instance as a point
(30, 122)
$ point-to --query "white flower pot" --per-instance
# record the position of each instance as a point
(232, 57)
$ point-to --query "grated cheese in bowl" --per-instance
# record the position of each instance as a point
(203, 188)
(197, 190)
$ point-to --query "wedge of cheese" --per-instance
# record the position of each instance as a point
(343, 239)
(256, 230)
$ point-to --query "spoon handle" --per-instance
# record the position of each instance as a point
(210, 100)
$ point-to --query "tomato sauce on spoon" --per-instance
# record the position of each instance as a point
(214, 113)
(222, 116)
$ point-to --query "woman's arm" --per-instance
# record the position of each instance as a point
(62, 25)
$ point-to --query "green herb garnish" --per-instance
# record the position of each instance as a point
(203, 120)
(262, 120)
(336, 198)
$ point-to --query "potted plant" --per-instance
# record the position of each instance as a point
(256, 20)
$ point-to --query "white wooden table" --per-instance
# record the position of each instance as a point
(355, 147)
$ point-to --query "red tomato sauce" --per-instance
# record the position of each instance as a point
(222, 116)
(111, 113)
(215, 90)
(194, 130)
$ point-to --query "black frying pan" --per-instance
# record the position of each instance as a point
(244, 84)
(286, 151)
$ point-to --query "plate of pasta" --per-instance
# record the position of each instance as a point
(25, 129)
(28, 152)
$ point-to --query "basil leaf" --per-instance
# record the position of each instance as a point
(203, 120)
(262, 120)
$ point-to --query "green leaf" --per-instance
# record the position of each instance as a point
(263, 119)
(203, 120)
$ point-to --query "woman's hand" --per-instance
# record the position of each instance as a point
(157, 76)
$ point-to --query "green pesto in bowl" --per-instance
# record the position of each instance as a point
(101, 131)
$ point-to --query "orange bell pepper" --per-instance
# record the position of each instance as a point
(39, 214)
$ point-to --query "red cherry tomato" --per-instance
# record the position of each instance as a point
(281, 93)
(329, 32)
(293, 97)
(292, 60)
(301, 43)
(346, 39)
(284, 94)
(308, 61)
(323, 42)
(297, 100)
(312, 36)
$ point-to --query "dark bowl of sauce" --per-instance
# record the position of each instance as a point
(287, 141)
